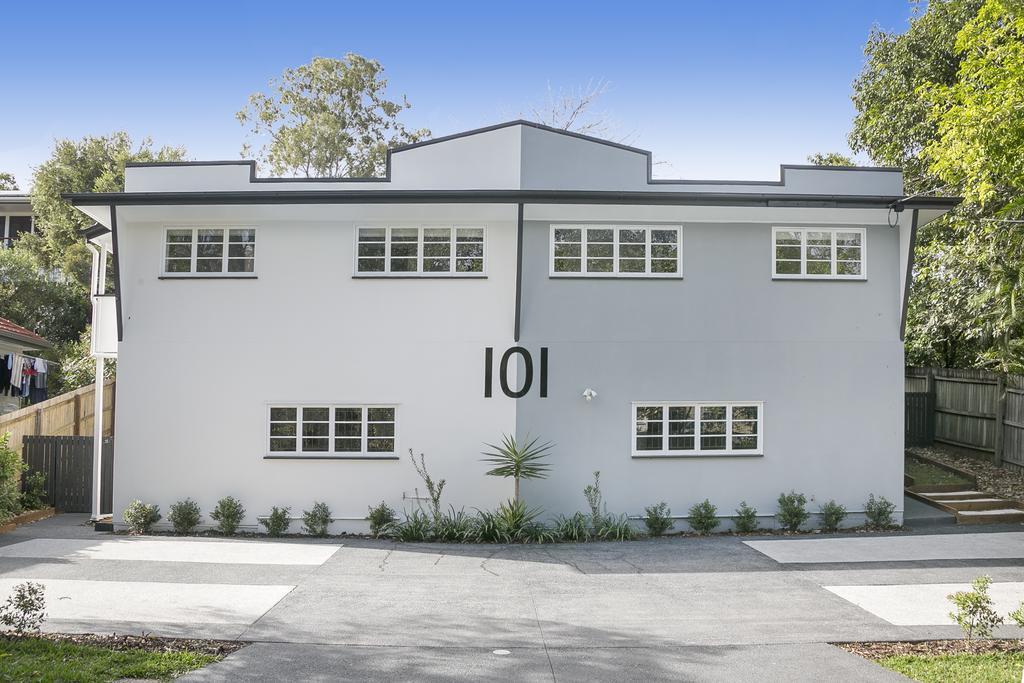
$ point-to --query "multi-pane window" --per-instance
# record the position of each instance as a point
(210, 251)
(817, 253)
(427, 251)
(697, 428)
(616, 250)
(323, 430)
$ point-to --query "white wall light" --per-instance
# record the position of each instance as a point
(589, 394)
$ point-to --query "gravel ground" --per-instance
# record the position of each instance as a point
(1005, 481)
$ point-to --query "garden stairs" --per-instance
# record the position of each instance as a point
(968, 504)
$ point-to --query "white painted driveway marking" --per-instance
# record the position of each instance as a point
(998, 546)
(923, 604)
(136, 601)
(172, 550)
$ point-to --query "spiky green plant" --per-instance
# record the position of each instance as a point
(518, 460)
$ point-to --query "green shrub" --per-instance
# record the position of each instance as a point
(434, 487)
(974, 610)
(704, 517)
(455, 527)
(315, 522)
(11, 468)
(658, 519)
(277, 521)
(592, 492)
(515, 518)
(538, 533)
(489, 529)
(382, 517)
(228, 514)
(34, 495)
(832, 515)
(746, 518)
(25, 609)
(140, 517)
(792, 511)
(574, 529)
(415, 529)
(184, 515)
(878, 513)
(1017, 615)
(614, 528)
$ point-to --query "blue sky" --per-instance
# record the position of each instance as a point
(714, 89)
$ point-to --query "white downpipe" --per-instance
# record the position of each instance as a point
(97, 440)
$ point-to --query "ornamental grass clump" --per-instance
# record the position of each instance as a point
(832, 515)
(140, 517)
(745, 520)
(228, 514)
(703, 517)
(415, 529)
(573, 529)
(277, 522)
(185, 516)
(792, 511)
(456, 527)
(658, 519)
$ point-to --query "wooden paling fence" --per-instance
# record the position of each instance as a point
(973, 409)
(69, 414)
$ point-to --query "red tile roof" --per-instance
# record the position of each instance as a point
(9, 330)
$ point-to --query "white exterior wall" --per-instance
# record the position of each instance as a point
(203, 358)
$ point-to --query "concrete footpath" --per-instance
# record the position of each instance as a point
(720, 608)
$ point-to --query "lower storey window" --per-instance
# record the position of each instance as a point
(323, 430)
(697, 428)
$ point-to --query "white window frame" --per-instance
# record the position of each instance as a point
(195, 250)
(330, 453)
(697, 451)
(617, 228)
(419, 272)
(802, 275)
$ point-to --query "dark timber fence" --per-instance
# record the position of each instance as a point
(67, 463)
(974, 409)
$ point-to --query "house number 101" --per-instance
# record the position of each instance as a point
(503, 372)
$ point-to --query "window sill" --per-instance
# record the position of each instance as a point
(387, 276)
(331, 457)
(192, 276)
(822, 278)
(689, 456)
(595, 276)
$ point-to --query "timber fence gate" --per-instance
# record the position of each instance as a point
(66, 461)
(973, 409)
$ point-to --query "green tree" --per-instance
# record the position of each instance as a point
(518, 460)
(92, 164)
(328, 118)
(44, 301)
(830, 159)
(76, 367)
(7, 182)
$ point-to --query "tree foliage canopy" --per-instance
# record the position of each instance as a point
(7, 182)
(328, 118)
(43, 301)
(830, 159)
(945, 101)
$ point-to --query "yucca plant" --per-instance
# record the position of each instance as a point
(518, 460)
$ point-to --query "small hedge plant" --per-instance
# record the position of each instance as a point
(382, 519)
(228, 514)
(140, 517)
(658, 519)
(276, 523)
(792, 511)
(184, 516)
(25, 609)
(745, 521)
(316, 521)
(878, 513)
(34, 495)
(704, 517)
(832, 515)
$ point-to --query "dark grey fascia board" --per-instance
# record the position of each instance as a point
(95, 230)
(506, 197)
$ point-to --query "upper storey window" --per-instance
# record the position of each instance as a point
(817, 253)
(616, 251)
(430, 251)
(210, 251)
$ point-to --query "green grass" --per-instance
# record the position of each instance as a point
(44, 660)
(928, 474)
(991, 667)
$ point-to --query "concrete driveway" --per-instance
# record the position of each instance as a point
(666, 609)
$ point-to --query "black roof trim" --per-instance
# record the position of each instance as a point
(504, 197)
(95, 230)
(508, 124)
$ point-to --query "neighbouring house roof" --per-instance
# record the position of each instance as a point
(10, 332)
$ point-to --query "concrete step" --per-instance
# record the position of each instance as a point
(998, 516)
(980, 504)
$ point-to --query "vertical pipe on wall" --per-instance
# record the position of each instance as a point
(97, 439)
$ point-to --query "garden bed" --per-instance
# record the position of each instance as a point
(925, 471)
(26, 518)
(935, 661)
(86, 657)
(1005, 481)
